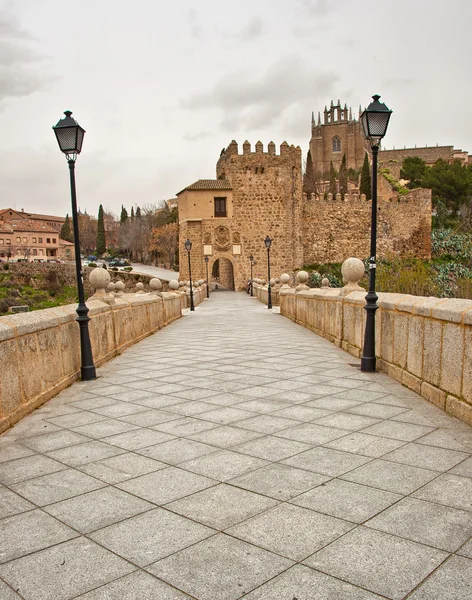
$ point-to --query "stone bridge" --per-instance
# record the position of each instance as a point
(232, 454)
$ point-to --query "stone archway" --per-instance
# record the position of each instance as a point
(222, 273)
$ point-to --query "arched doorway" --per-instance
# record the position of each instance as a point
(222, 273)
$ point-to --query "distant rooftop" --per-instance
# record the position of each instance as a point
(209, 184)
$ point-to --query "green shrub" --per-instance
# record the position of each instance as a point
(127, 269)
(6, 266)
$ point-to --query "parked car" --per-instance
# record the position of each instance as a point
(119, 262)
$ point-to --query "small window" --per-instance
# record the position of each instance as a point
(220, 207)
(18, 240)
(35, 252)
(25, 240)
(34, 240)
(48, 240)
(8, 242)
(336, 144)
(1, 241)
(40, 240)
(53, 240)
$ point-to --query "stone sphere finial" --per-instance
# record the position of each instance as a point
(119, 288)
(173, 285)
(352, 271)
(325, 282)
(302, 278)
(285, 280)
(99, 279)
(140, 288)
(111, 287)
(272, 282)
(156, 285)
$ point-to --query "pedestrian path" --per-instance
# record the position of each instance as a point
(232, 455)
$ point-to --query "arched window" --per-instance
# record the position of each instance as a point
(336, 144)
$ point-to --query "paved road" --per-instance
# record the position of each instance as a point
(164, 274)
(233, 455)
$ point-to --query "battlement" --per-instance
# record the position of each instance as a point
(285, 149)
(418, 195)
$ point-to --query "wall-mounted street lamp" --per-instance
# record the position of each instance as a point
(70, 135)
(268, 244)
(374, 121)
(251, 260)
(208, 281)
(188, 247)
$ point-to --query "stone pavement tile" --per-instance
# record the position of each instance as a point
(440, 526)
(225, 436)
(332, 404)
(257, 392)
(290, 531)
(378, 411)
(11, 451)
(457, 439)
(346, 500)
(225, 386)
(400, 401)
(138, 438)
(150, 536)
(347, 421)
(279, 481)
(104, 429)
(12, 504)
(217, 568)
(464, 468)
(150, 417)
(157, 401)
(287, 384)
(136, 586)
(361, 395)
(390, 476)
(311, 433)
(367, 445)
(261, 405)
(225, 399)
(98, 509)
(92, 402)
(119, 409)
(466, 549)
(406, 432)
(64, 571)
(30, 427)
(223, 464)
(16, 539)
(450, 490)
(221, 506)
(98, 388)
(350, 384)
(161, 487)
(185, 427)
(271, 448)
(295, 397)
(122, 467)
(166, 389)
(326, 461)
(6, 592)
(56, 486)
(54, 441)
(227, 415)
(303, 583)
(267, 423)
(195, 393)
(76, 419)
(191, 408)
(427, 457)
(382, 563)
(82, 454)
(299, 412)
(177, 451)
(21, 469)
(452, 581)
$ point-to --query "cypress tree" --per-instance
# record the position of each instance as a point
(124, 215)
(101, 239)
(343, 177)
(132, 213)
(309, 186)
(365, 179)
(138, 212)
(66, 230)
(332, 180)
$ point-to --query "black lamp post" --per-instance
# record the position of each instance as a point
(374, 121)
(208, 282)
(70, 135)
(188, 247)
(251, 260)
(268, 243)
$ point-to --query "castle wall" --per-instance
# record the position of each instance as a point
(429, 155)
(334, 229)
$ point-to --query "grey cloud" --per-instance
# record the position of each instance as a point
(319, 8)
(252, 30)
(195, 29)
(195, 137)
(260, 98)
(22, 71)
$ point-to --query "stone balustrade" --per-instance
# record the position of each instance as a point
(261, 290)
(40, 350)
(425, 343)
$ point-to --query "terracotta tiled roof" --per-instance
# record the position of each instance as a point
(209, 184)
(31, 225)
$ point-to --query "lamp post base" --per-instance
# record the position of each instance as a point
(87, 368)
(368, 361)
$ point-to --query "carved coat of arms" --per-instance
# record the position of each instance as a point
(222, 239)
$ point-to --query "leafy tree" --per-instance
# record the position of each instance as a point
(365, 179)
(414, 169)
(332, 180)
(66, 230)
(343, 177)
(124, 215)
(101, 238)
(450, 182)
(165, 241)
(309, 185)
(87, 233)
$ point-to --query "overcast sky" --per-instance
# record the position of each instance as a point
(161, 87)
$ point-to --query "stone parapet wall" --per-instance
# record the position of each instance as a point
(425, 343)
(40, 351)
(262, 294)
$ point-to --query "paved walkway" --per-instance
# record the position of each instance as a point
(236, 455)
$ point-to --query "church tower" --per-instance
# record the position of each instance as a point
(338, 135)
